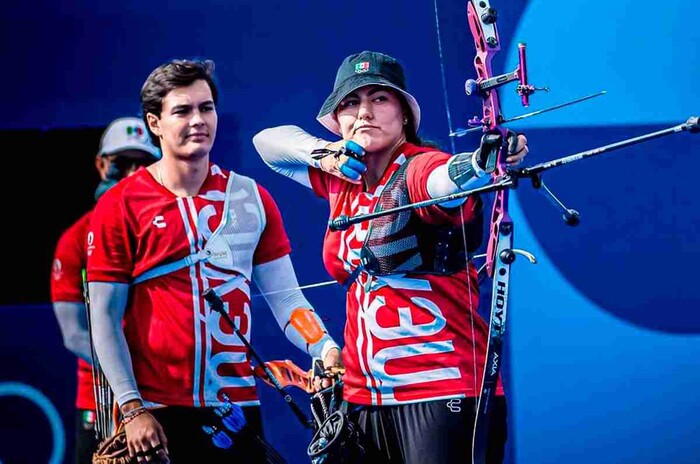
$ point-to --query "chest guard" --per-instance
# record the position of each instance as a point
(233, 242)
(401, 242)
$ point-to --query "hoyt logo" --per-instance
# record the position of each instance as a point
(497, 321)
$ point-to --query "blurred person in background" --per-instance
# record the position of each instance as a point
(124, 147)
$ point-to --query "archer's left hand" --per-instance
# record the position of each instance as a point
(333, 359)
(517, 148)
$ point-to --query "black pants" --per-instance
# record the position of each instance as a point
(188, 443)
(85, 439)
(435, 432)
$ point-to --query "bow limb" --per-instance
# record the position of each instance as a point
(499, 256)
(288, 374)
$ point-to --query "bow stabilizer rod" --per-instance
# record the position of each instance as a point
(692, 125)
(510, 180)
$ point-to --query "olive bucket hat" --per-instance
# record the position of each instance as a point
(359, 70)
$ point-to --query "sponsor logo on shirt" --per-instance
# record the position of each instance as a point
(90, 243)
(454, 405)
(159, 222)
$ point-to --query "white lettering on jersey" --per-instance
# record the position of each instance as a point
(405, 329)
(351, 239)
(214, 323)
(231, 247)
(212, 379)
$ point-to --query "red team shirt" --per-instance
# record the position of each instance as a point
(67, 286)
(409, 338)
(178, 359)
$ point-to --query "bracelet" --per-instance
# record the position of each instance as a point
(134, 413)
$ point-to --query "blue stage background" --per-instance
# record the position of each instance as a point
(603, 333)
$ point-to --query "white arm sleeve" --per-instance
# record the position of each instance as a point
(72, 320)
(107, 306)
(277, 275)
(441, 184)
(287, 150)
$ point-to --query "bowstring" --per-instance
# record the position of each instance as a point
(461, 209)
(443, 77)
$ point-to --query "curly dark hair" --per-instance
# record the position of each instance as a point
(169, 76)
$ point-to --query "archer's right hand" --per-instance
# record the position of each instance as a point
(146, 440)
(346, 167)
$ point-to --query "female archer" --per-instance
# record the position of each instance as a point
(414, 343)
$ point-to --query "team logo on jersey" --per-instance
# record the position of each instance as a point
(454, 405)
(57, 269)
(90, 243)
(159, 222)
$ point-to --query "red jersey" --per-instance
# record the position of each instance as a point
(182, 352)
(67, 285)
(408, 337)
